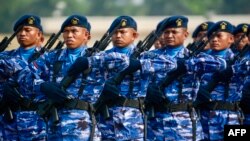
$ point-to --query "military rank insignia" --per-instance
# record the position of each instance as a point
(75, 21)
(31, 20)
(204, 26)
(124, 23)
(223, 25)
(244, 28)
(179, 22)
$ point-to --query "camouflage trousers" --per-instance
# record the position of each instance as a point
(213, 123)
(26, 125)
(173, 126)
(125, 123)
(74, 125)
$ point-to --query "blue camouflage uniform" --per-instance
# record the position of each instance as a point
(241, 70)
(183, 123)
(125, 122)
(223, 107)
(26, 125)
(77, 123)
(73, 124)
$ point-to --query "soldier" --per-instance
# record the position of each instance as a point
(126, 118)
(28, 37)
(25, 120)
(222, 107)
(243, 68)
(74, 123)
(171, 102)
(200, 32)
(240, 37)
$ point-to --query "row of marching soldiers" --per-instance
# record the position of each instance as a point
(129, 92)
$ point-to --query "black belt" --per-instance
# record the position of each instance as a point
(78, 104)
(175, 107)
(221, 105)
(125, 102)
(28, 107)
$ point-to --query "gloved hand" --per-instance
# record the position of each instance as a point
(110, 91)
(172, 75)
(244, 103)
(155, 95)
(79, 66)
(134, 65)
(55, 92)
(224, 75)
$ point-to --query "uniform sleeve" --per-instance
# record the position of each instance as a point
(109, 61)
(10, 66)
(41, 65)
(153, 63)
(205, 63)
(242, 67)
(29, 83)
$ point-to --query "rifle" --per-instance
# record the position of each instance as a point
(51, 90)
(97, 47)
(225, 75)
(6, 41)
(11, 94)
(51, 41)
(195, 48)
(59, 45)
(155, 92)
(234, 46)
(108, 95)
(104, 41)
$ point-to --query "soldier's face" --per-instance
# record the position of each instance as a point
(75, 36)
(124, 37)
(175, 36)
(221, 41)
(199, 36)
(242, 42)
(28, 36)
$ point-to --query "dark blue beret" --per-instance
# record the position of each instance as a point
(176, 22)
(202, 27)
(76, 20)
(128, 23)
(224, 26)
(28, 20)
(248, 30)
(160, 25)
(241, 28)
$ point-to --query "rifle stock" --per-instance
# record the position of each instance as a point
(52, 41)
(59, 45)
(104, 41)
(6, 41)
(42, 50)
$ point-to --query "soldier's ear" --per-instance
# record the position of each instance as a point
(89, 37)
(230, 38)
(186, 33)
(135, 34)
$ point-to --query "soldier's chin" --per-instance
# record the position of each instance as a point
(70, 46)
(216, 48)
